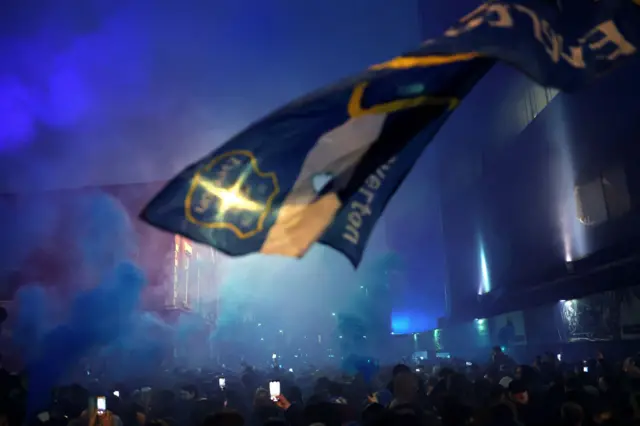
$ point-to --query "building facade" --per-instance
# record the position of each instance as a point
(536, 188)
(194, 286)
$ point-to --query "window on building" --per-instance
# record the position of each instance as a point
(533, 101)
(616, 192)
(590, 205)
(539, 97)
(176, 272)
(524, 102)
(603, 198)
(188, 252)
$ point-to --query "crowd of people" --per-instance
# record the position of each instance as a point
(448, 393)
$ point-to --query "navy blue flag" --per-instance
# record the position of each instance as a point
(324, 167)
(353, 225)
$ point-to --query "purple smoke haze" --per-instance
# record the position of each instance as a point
(95, 92)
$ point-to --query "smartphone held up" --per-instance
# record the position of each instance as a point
(274, 390)
(101, 405)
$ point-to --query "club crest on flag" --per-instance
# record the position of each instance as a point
(231, 192)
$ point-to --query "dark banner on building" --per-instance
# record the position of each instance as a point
(464, 336)
(508, 329)
(544, 325)
(600, 317)
(629, 302)
(589, 319)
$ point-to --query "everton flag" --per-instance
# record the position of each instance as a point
(324, 167)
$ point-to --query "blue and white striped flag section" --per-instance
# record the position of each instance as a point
(323, 168)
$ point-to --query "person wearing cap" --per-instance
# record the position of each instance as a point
(518, 392)
(519, 395)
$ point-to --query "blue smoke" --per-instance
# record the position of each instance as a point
(111, 85)
(98, 318)
(104, 235)
(25, 227)
(30, 323)
(58, 323)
